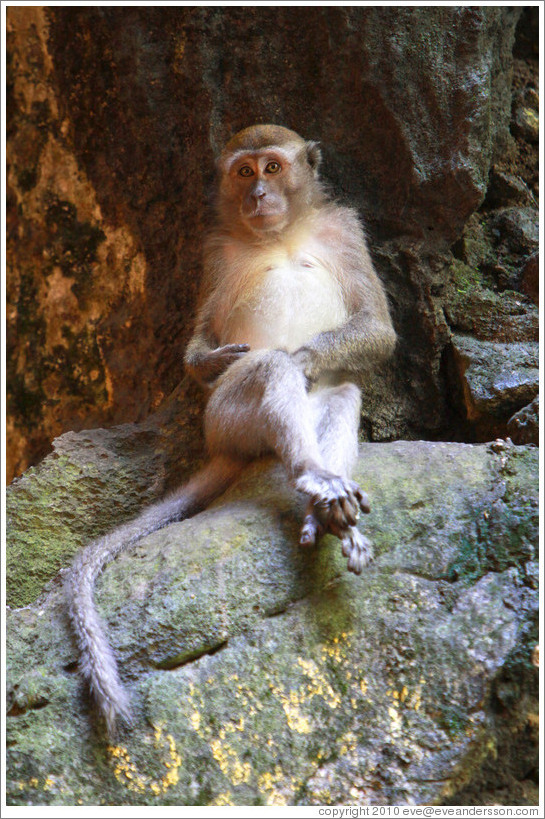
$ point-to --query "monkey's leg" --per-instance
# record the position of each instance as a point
(97, 661)
(260, 405)
(336, 412)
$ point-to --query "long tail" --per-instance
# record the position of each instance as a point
(97, 661)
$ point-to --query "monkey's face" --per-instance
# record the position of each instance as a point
(265, 188)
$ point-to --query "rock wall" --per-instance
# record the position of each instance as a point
(115, 115)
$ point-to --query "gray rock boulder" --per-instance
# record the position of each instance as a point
(264, 674)
(498, 379)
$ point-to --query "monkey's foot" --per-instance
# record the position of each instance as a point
(311, 530)
(357, 549)
(336, 501)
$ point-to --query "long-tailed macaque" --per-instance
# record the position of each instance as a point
(291, 305)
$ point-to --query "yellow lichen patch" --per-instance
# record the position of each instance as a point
(223, 799)
(125, 770)
(324, 796)
(230, 727)
(395, 718)
(233, 726)
(414, 699)
(195, 720)
(291, 704)
(347, 743)
(268, 782)
(296, 720)
(364, 686)
(293, 700)
(196, 702)
(195, 696)
(335, 648)
(171, 777)
(248, 699)
(230, 765)
(126, 773)
(319, 686)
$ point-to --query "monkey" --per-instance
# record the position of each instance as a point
(291, 310)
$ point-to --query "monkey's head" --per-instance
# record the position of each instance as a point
(268, 177)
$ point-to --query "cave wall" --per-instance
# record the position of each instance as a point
(115, 117)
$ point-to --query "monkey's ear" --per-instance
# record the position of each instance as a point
(314, 155)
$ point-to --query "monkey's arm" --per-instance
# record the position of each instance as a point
(363, 342)
(367, 338)
(203, 359)
(207, 365)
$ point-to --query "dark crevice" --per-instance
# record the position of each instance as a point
(18, 711)
(277, 612)
(172, 663)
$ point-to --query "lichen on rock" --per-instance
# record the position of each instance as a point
(261, 673)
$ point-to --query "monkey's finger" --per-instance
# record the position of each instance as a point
(321, 506)
(363, 501)
(306, 539)
(350, 509)
(310, 531)
(337, 517)
(230, 358)
(235, 348)
(354, 563)
(353, 495)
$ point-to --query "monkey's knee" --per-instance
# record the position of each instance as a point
(344, 399)
(250, 398)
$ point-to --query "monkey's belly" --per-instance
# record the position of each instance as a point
(285, 309)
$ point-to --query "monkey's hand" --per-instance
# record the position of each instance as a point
(337, 501)
(206, 367)
(304, 359)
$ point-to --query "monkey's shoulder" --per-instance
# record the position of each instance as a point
(339, 222)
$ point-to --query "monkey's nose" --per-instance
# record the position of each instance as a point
(258, 191)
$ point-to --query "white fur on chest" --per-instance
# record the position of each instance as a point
(283, 297)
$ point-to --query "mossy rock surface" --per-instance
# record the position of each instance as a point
(264, 674)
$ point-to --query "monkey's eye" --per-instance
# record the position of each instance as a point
(245, 171)
(273, 167)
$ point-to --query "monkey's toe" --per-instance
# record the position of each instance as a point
(310, 531)
(361, 498)
(350, 510)
(358, 549)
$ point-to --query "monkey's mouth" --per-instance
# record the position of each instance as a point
(264, 218)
